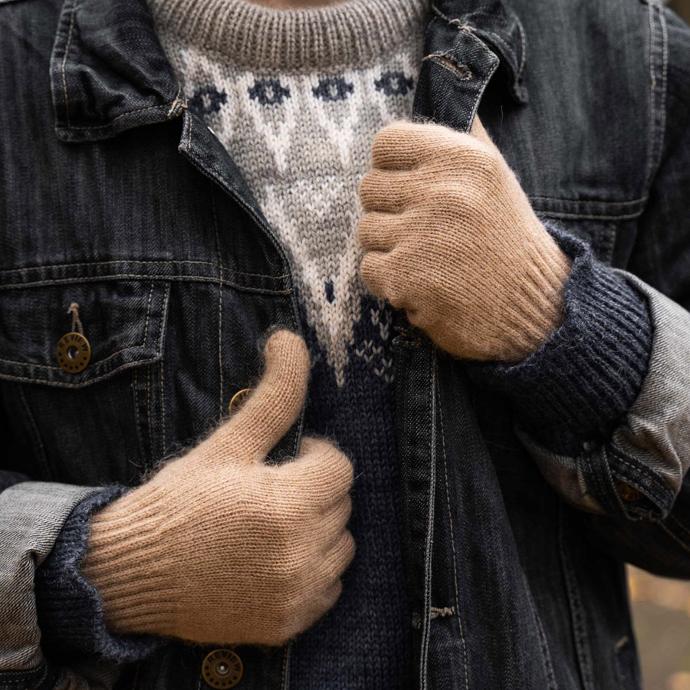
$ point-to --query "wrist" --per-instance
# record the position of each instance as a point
(537, 307)
(128, 562)
(579, 385)
(70, 608)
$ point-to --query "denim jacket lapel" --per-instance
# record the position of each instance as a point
(108, 71)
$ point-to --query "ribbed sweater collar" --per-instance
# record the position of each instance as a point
(347, 33)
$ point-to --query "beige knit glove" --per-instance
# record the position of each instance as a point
(219, 547)
(450, 237)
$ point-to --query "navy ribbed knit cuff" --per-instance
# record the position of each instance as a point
(70, 610)
(582, 381)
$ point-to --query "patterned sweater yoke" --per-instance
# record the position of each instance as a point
(296, 97)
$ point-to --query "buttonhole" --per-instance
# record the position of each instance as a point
(460, 70)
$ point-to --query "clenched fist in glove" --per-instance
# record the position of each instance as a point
(219, 547)
(450, 237)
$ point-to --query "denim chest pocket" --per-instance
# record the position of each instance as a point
(73, 400)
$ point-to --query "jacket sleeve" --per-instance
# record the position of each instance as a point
(658, 432)
(48, 610)
(31, 517)
(604, 406)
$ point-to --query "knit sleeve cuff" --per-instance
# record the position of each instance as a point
(70, 610)
(579, 385)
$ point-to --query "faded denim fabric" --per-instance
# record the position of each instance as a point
(31, 516)
(115, 196)
(657, 433)
(649, 451)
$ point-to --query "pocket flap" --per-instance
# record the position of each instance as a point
(123, 321)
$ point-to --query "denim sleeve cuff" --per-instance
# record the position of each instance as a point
(70, 610)
(579, 385)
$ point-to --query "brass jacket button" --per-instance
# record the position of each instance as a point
(73, 352)
(222, 669)
(237, 399)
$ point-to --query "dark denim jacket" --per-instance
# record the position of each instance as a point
(115, 196)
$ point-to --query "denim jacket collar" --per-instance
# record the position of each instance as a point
(109, 72)
(499, 28)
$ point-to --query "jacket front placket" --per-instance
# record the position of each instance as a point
(457, 65)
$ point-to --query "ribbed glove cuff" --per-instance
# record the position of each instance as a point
(129, 561)
(578, 386)
(70, 608)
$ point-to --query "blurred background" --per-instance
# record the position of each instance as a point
(661, 608)
(682, 7)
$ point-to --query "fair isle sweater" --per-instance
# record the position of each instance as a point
(296, 98)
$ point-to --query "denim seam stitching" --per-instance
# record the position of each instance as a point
(148, 315)
(637, 469)
(569, 215)
(49, 367)
(131, 261)
(658, 49)
(158, 106)
(144, 276)
(452, 542)
(149, 412)
(523, 39)
(137, 418)
(88, 382)
(151, 262)
(575, 606)
(635, 483)
(220, 305)
(161, 397)
(607, 496)
(600, 202)
(655, 492)
(63, 66)
(285, 669)
(426, 617)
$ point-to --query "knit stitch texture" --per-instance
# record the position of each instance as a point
(302, 135)
(579, 385)
(70, 610)
(451, 238)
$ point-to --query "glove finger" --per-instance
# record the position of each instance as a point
(384, 274)
(277, 402)
(334, 521)
(322, 472)
(387, 191)
(336, 561)
(316, 605)
(398, 146)
(383, 232)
